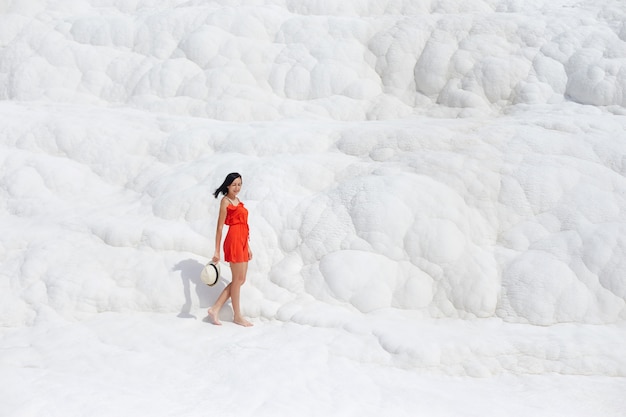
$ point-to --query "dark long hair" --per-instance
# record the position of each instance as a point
(224, 187)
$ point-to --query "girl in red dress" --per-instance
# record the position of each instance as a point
(236, 249)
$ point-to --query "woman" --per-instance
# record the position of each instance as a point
(236, 249)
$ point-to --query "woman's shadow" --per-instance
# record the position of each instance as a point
(190, 270)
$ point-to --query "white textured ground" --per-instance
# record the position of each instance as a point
(437, 201)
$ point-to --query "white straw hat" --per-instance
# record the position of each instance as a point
(210, 274)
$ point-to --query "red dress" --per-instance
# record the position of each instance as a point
(236, 242)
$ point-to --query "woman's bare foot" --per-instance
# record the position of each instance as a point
(242, 322)
(213, 315)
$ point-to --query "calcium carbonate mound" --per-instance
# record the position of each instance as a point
(443, 159)
(349, 61)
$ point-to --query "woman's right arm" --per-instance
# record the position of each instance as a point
(221, 218)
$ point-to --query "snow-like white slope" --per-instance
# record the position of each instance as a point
(250, 60)
(520, 217)
(435, 187)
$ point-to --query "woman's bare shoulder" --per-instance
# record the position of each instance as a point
(224, 202)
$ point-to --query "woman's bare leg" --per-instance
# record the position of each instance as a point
(239, 271)
(214, 311)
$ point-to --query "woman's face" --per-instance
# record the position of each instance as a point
(235, 187)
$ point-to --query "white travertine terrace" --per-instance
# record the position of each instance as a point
(409, 166)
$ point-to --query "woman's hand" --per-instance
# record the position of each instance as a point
(216, 257)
